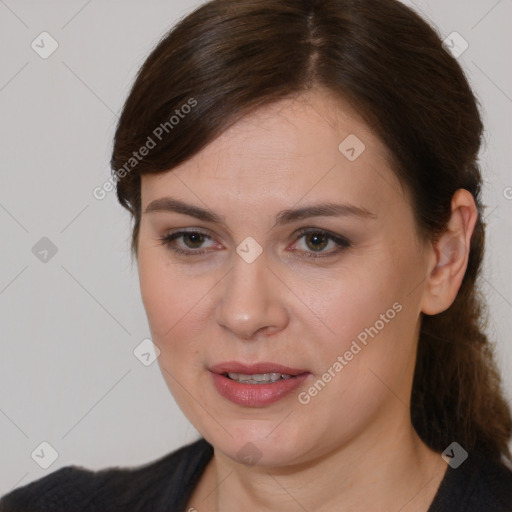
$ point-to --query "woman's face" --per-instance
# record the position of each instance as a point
(250, 297)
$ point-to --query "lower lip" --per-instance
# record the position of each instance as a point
(256, 395)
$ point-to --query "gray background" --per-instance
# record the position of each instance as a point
(69, 325)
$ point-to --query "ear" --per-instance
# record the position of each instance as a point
(451, 253)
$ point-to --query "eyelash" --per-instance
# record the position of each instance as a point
(341, 242)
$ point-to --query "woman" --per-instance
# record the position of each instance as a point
(303, 183)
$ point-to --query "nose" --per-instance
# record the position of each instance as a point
(252, 303)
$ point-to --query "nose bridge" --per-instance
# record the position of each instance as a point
(251, 300)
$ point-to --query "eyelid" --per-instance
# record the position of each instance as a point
(341, 242)
(173, 235)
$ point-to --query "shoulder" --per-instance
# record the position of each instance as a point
(495, 485)
(480, 483)
(151, 486)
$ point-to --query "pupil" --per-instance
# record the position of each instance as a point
(198, 239)
(317, 236)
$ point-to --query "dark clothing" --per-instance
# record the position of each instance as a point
(166, 484)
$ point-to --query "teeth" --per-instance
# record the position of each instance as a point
(258, 378)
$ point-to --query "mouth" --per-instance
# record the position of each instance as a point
(256, 385)
(257, 378)
(256, 373)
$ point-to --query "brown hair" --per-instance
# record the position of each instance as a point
(228, 57)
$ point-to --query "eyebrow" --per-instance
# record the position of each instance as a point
(168, 204)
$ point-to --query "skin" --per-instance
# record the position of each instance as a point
(356, 433)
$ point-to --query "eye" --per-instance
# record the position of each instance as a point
(191, 239)
(316, 240)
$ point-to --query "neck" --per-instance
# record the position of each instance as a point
(401, 472)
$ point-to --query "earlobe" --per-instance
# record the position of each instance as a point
(451, 250)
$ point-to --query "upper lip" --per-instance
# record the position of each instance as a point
(254, 368)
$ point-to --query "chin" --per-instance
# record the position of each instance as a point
(259, 442)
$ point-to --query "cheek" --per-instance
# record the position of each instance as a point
(157, 295)
(176, 307)
(166, 295)
(370, 356)
(355, 300)
(171, 301)
(372, 313)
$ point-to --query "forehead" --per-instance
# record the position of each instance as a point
(312, 144)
